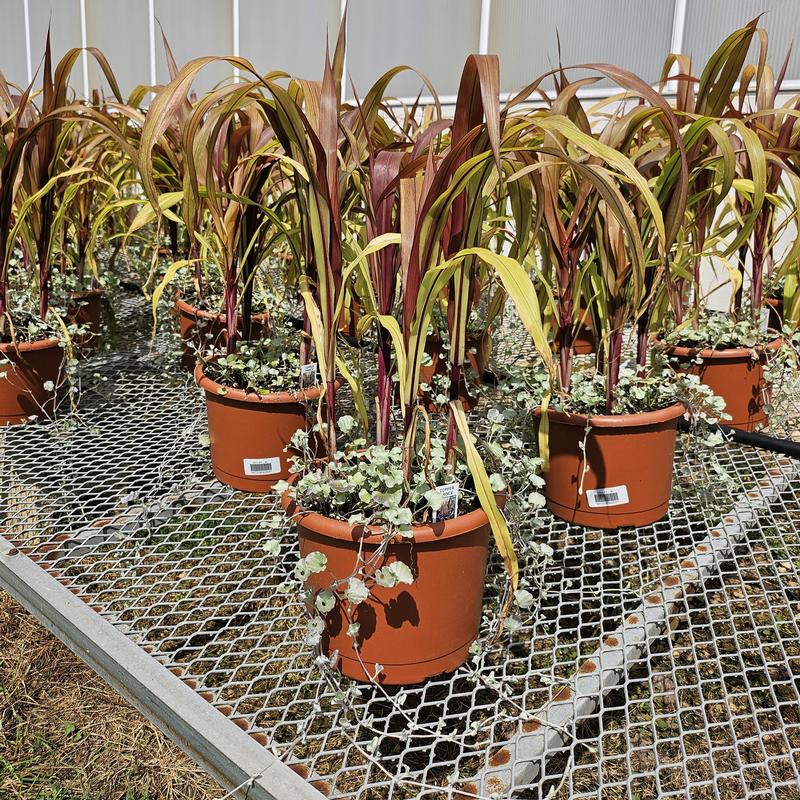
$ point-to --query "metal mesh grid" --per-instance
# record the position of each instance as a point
(118, 503)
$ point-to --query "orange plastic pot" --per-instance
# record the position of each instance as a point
(413, 630)
(248, 432)
(623, 477)
(775, 313)
(735, 376)
(22, 386)
(204, 328)
(583, 341)
(86, 308)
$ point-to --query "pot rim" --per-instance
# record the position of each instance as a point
(639, 420)
(194, 311)
(343, 531)
(81, 293)
(718, 355)
(274, 398)
(22, 347)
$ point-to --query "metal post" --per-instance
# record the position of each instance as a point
(235, 10)
(84, 56)
(483, 38)
(676, 40)
(342, 9)
(151, 29)
(28, 40)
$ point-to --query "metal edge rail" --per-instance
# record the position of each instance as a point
(237, 762)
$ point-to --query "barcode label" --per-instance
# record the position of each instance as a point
(611, 496)
(262, 466)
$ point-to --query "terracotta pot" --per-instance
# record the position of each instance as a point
(583, 342)
(22, 390)
(477, 363)
(735, 376)
(775, 315)
(629, 459)
(249, 432)
(195, 324)
(413, 630)
(86, 308)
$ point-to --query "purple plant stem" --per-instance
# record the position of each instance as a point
(230, 306)
(614, 361)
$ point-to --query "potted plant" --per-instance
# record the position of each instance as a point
(388, 528)
(254, 395)
(99, 168)
(33, 339)
(607, 430)
(729, 351)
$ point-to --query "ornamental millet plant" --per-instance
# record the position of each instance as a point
(229, 153)
(767, 161)
(598, 255)
(44, 168)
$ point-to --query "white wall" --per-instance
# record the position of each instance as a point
(432, 35)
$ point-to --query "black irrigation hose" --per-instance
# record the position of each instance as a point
(786, 447)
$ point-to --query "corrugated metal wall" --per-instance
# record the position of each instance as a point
(431, 35)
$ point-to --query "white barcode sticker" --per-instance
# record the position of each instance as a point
(610, 496)
(449, 508)
(262, 466)
(308, 375)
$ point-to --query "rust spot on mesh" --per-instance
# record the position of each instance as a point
(562, 695)
(100, 523)
(190, 682)
(502, 756)
(176, 671)
(300, 769)
(688, 563)
(633, 619)
(729, 520)
(671, 580)
(531, 725)
(260, 738)
(702, 548)
(207, 696)
(716, 534)
(75, 590)
(241, 723)
(96, 608)
(470, 788)
(611, 641)
(226, 710)
(322, 786)
(148, 648)
(494, 784)
(653, 599)
(587, 667)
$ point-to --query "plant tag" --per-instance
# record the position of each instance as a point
(308, 375)
(764, 319)
(262, 466)
(610, 496)
(449, 509)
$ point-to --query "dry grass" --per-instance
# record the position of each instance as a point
(65, 735)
